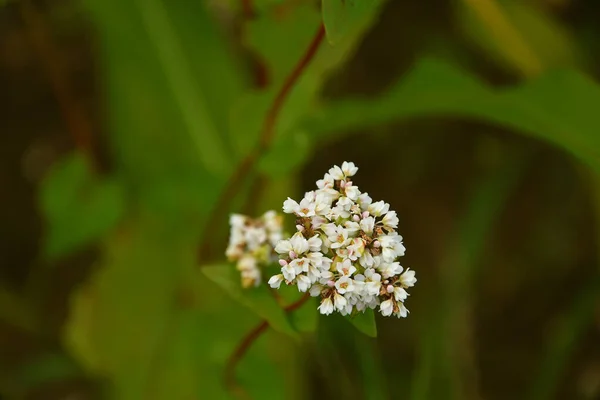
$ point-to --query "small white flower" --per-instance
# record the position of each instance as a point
(356, 249)
(283, 247)
(326, 306)
(290, 206)
(400, 294)
(326, 183)
(339, 238)
(389, 270)
(303, 283)
(344, 284)
(300, 265)
(387, 307)
(339, 301)
(345, 268)
(237, 220)
(378, 208)
(315, 290)
(349, 169)
(364, 200)
(289, 272)
(299, 243)
(336, 173)
(275, 281)
(367, 225)
(367, 260)
(390, 220)
(314, 243)
(317, 221)
(408, 278)
(372, 288)
(403, 311)
(352, 227)
(351, 191)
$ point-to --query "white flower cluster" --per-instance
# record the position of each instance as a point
(345, 249)
(251, 244)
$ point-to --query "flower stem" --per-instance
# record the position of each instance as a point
(246, 166)
(244, 346)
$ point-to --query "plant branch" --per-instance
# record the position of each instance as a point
(73, 113)
(244, 346)
(268, 132)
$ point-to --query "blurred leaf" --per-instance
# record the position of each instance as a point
(440, 338)
(341, 16)
(542, 107)
(364, 322)
(550, 41)
(286, 154)
(562, 342)
(306, 318)
(123, 320)
(258, 299)
(79, 207)
(15, 310)
(47, 368)
(281, 52)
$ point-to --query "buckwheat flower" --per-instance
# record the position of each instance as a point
(345, 250)
(316, 290)
(338, 237)
(345, 268)
(336, 173)
(367, 225)
(351, 191)
(326, 306)
(339, 301)
(378, 208)
(356, 249)
(386, 308)
(402, 311)
(399, 293)
(303, 283)
(349, 169)
(251, 243)
(314, 243)
(390, 220)
(352, 227)
(408, 278)
(344, 284)
(275, 281)
(364, 200)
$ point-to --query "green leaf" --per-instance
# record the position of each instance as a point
(79, 208)
(121, 322)
(47, 368)
(257, 299)
(342, 17)
(286, 154)
(306, 318)
(364, 322)
(542, 107)
(547, 43)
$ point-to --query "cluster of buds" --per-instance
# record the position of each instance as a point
(345, 249)
(251, 244)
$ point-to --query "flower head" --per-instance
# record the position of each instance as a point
(345, 250)
(251, 244)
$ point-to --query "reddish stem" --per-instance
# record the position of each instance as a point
(247, 164)
(247, 9)
(244, 346)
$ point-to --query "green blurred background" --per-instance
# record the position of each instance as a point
(123, 122)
